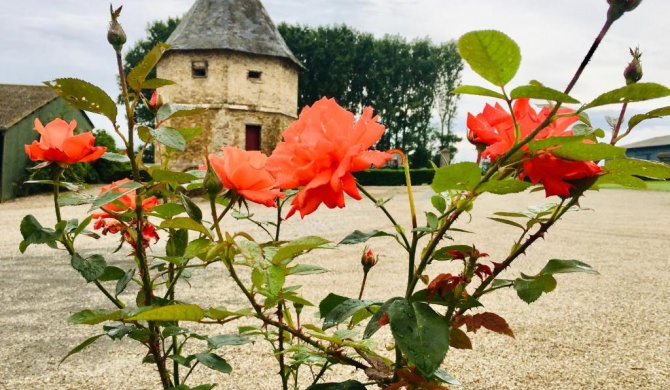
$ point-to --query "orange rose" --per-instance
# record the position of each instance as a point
(319, 152)
(59, 144)
(243, 171)
(127, 201)
(493, 130)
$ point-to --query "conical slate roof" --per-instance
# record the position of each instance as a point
(240, 25)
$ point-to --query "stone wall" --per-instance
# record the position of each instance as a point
(233, 99)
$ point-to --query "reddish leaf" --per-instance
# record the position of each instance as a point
(495, 323)
(459, 340)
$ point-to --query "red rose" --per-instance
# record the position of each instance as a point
(59, 144)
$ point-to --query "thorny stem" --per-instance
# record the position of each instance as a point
(320, 373)
(217, 226)
(297, 333)
(282, 364)
(617, 128)
(544, 227)
(154, 340)
(415, 235)
(396, 225)
(589, 54)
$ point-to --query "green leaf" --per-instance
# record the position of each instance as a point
(156, 83)
(177, 243)
(190, 132)
(170, 110)
(438, 202)
(491, 54)
(444, 253)
(111, 273)
(111, 195)
(93, 317)
(463, 176)
(74, 199)
(623, 180)
(274, 278)
(306, 269)
(508, 222)
(344, 310)
(217, 313)
(529, 289)
(139, 73)
(358, 237)
(181, 312)
(296, 299)
(657, 113)
(185, 223)
(421, 334)
(81, 347)
(215, 362)
(123, 282)
(630, 93)
(168, 210)
(84, 96)
(115, 157)
(191, 208)
(33, 233)
(170, 176)
(219, 341)
(478, 91)
(91, 268)
(443, 376)
(502, 187)
(556, 266)
(537, 145)
(541, 92)
(631, 166)
(373, 325)
(117, 331)
(346, 385)
(330, 302)
(588, 152)
(296, 247)
(169, 137)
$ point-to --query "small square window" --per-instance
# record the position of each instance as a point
(254, 74)
(199, 69)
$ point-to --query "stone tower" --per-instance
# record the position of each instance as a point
(228, 56)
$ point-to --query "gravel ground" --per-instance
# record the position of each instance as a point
(607, 331)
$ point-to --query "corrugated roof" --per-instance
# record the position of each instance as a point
(240, 25)
(650, 142)
(19, 101)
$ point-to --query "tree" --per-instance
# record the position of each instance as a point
(446, 103)
(158, 31)
(396, 77)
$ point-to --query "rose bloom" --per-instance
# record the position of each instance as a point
(59, 144)
(127, 201)
(319, 152)
(244, 172)
(109, 224)
(493, 130)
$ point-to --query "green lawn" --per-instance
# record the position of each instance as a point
(656, 185)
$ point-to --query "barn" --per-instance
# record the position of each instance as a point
(19, 106)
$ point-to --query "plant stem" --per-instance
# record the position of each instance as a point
(617, 128)
(397, 226)
(589, 54)
(282, 364)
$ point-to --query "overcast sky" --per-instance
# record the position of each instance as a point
(42, 40)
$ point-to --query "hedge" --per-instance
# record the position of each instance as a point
(394, 177)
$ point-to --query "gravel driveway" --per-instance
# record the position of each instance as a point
(607, 331)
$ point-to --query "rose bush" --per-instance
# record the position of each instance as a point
(311, 166)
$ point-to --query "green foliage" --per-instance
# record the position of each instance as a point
(463, 176)
(84, 96)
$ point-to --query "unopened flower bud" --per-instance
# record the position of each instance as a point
(368, 260)
(633, 72)
(212, 182)
(156, 100)
(619, 7)
(115, 34)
